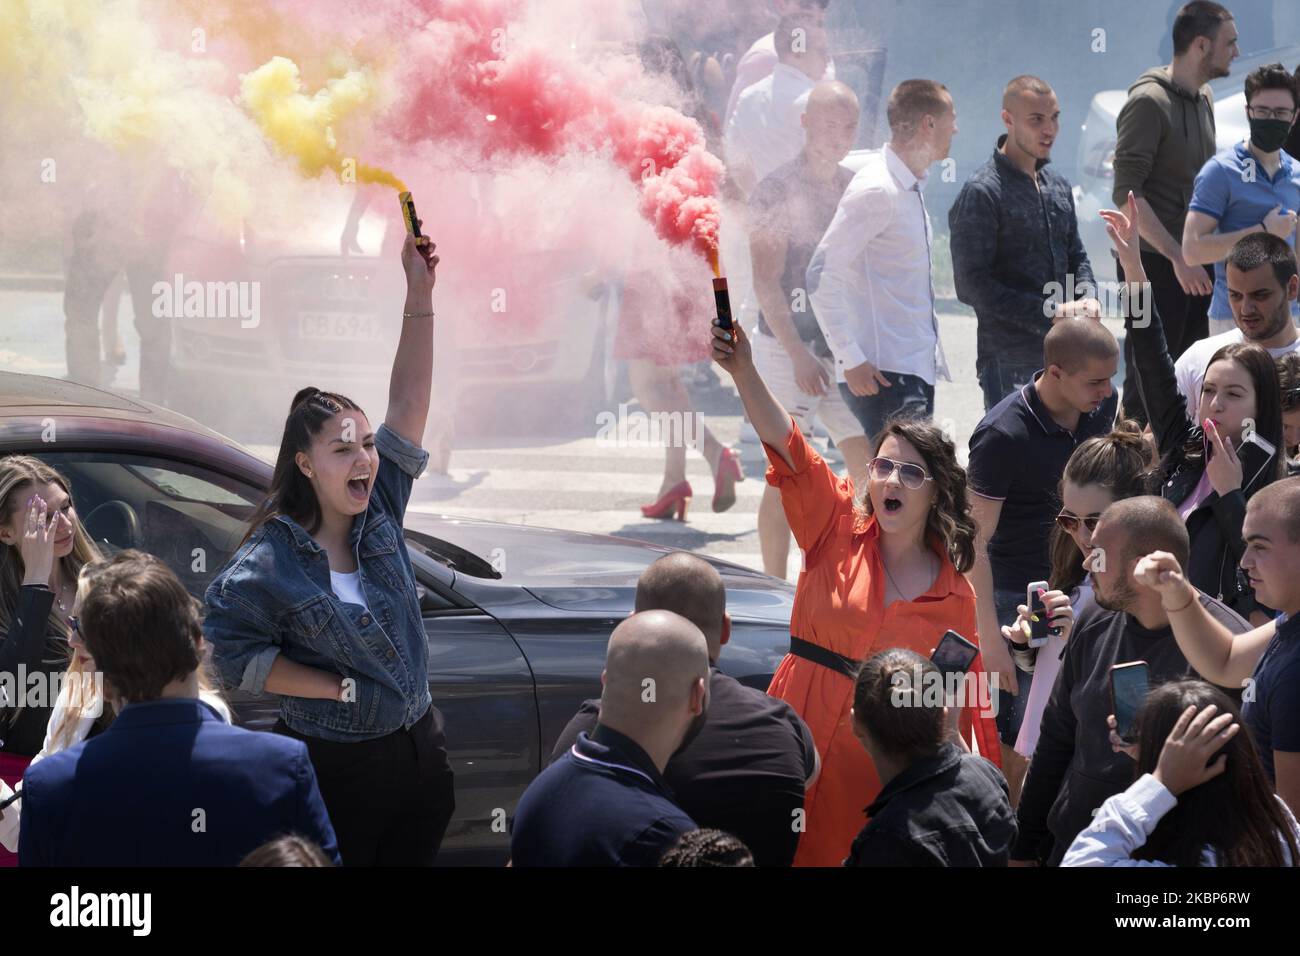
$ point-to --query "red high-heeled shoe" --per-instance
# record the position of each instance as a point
(724, 480)
(673, 502)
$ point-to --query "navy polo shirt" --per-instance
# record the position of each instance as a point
(1017, 456)
(603, 803)
(1272, 712)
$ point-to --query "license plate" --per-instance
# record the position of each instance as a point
(338, 326)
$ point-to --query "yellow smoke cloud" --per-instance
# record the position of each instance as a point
(303, 126)
(73, 72)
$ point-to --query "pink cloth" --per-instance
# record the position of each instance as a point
(12, 768)
(1198, 495)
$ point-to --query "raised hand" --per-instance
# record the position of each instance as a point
(1160, 572)
(37, 546)
(731, 349)
(419, 263)
(1123, 230)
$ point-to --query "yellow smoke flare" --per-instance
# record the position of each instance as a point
(303, 126)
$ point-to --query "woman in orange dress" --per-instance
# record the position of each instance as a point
(883, 571)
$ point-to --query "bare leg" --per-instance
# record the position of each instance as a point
(659, 389)
(1013, 768)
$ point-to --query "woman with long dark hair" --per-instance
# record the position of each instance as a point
(319, 605)
(1210, 465)
(1200, 797)
(1100, 471)
(883, 567)
(43, 547)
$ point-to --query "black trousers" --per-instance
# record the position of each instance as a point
(1185, 319)
(390, 799)
(88, 276)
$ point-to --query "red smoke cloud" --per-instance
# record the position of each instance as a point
(464, 85)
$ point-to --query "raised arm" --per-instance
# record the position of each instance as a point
(1156, 377)
(1215, 653)
(766, 414)
(411, 384)
(813, 498)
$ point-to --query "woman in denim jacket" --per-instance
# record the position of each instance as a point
(319, 605)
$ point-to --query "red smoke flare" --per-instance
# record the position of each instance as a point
(466, 86)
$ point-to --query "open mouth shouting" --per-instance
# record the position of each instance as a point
(359, 487)
(893, 504)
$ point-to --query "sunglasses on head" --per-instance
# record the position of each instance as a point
(1070, 523)
(912, 476)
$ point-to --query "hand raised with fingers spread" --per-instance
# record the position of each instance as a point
(37, 547)
(1185, 760)
(1123, 230)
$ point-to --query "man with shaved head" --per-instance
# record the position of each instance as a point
(605, 803)
(1075, 767)
(746, 770)
(1016, 253)
(1264, 661)
(789, 213)
(1018, 453)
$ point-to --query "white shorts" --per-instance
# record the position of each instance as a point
(774, 365)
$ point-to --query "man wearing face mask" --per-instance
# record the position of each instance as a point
(1247, 189)
(605, 803)
(746, 770)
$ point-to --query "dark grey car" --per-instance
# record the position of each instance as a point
(517, 618)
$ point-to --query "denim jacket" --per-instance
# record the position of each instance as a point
(274, 597)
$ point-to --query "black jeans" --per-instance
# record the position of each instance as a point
(390, 799)
(1185, 319)
(908, 396)
(87, 279)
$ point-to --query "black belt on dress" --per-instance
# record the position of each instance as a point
(826, 658)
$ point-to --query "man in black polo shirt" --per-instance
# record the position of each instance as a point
(1075, 768)
(746, 771)
(1017, 456)
(605, 803)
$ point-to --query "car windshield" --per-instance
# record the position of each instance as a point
(191, 517)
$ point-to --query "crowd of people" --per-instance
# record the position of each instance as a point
(958, 689)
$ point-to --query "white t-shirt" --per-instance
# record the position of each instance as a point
(1191, 365)
(348, 587)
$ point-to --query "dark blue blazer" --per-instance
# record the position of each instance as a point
(169, 783)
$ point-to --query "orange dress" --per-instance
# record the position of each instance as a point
(838, 605)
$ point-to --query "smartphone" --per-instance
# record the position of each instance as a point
(1255, 438)
(722, 302)
(1128, 691)
(954, 655)
(408, 214)
(1039, 630)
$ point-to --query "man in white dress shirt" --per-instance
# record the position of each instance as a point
(870, 278)
(766, 130)
(760, 59)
